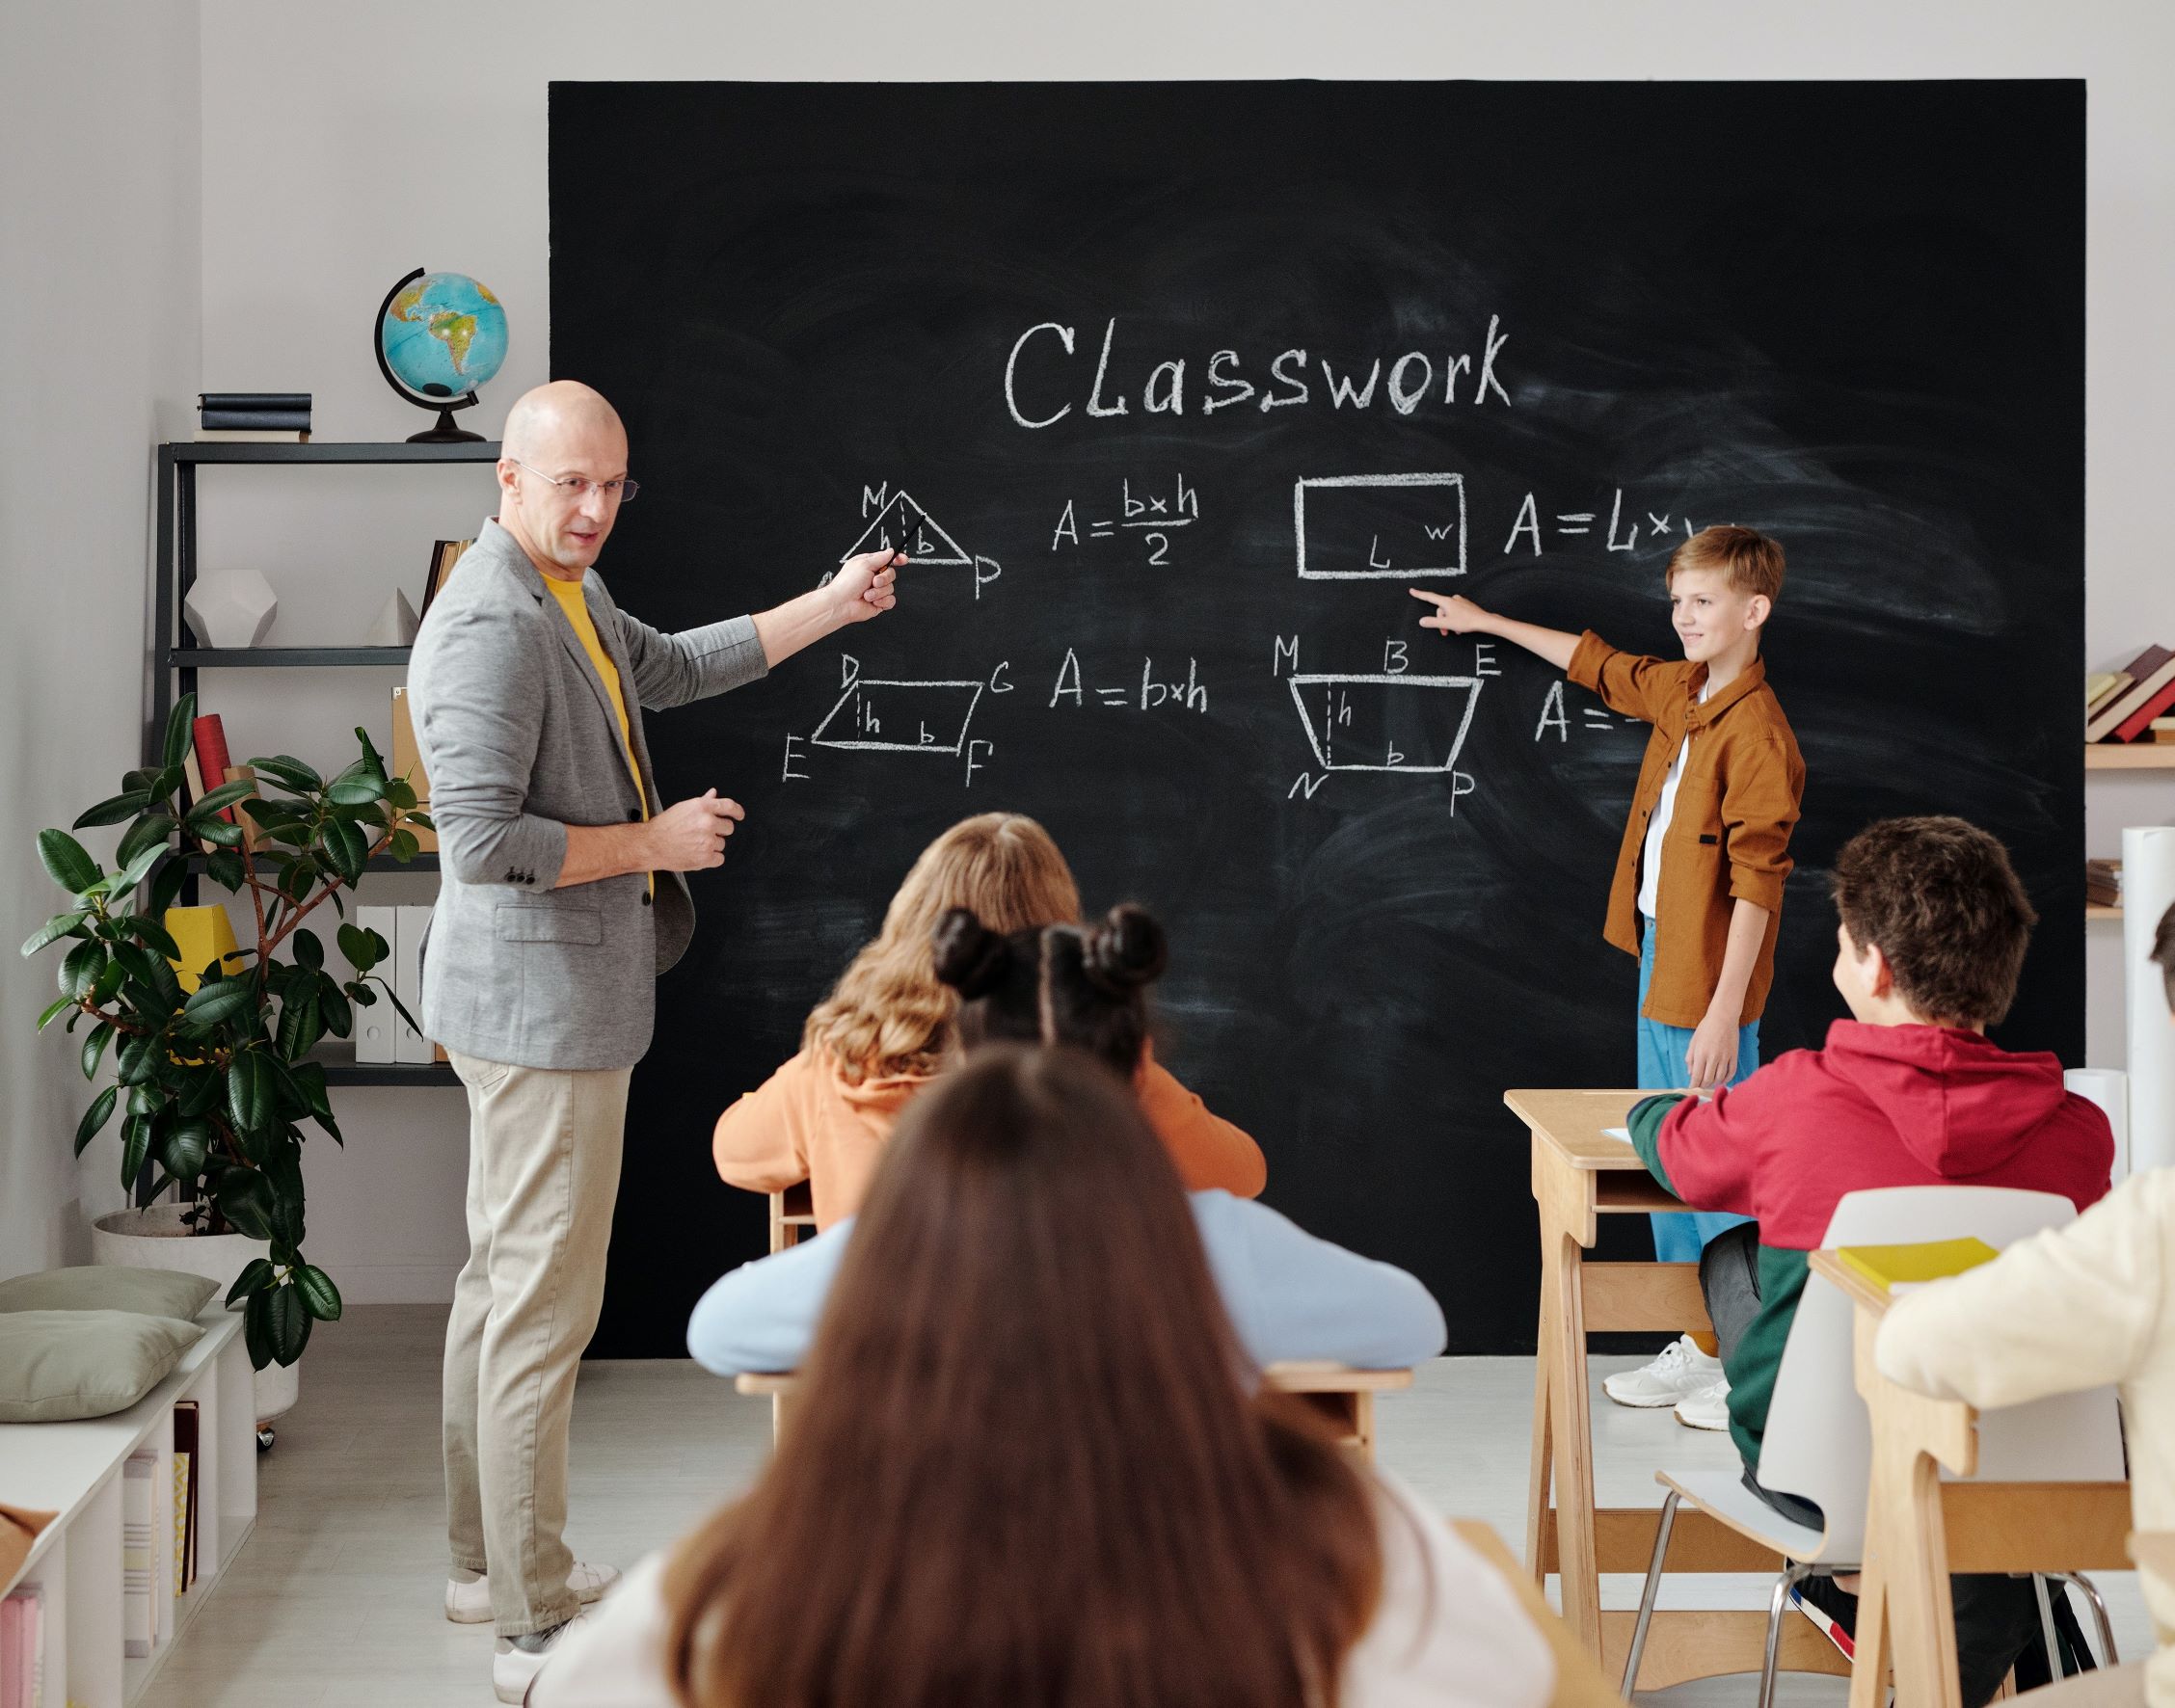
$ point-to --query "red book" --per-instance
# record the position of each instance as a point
(2139, 722)
(2149, 672)
(211, 755)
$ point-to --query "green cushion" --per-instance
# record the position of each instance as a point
(60, 1365)
(110, 1287)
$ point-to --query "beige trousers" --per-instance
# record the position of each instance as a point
(544, 1148)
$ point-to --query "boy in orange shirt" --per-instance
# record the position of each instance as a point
(1697, 893)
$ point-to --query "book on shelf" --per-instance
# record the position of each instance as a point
(2102, 883)
(2152, 670)
(139, 1564)
(22, 1647)
(254, 400)
(250, 435)
(2100, 687)
(188, 1422)
(253, 421)
(445, 554)
(1892, 1268)
(2137, 726)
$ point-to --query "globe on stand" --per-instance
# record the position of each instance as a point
(439, 337)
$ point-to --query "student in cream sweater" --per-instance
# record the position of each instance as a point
(2074, 1307)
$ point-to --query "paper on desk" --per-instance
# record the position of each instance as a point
(1623, 1135)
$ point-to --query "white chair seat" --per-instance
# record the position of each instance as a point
(1724, 1495)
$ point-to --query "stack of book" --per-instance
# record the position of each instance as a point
(22, 1649)
(2102, 883)
(268, 416)
(187, 1423)
(2123, 705)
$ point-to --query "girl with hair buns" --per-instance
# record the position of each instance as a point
(886, 1031)
(1289, 1294)
(1024, 1473)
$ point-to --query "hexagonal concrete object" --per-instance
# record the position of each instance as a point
(230, 607)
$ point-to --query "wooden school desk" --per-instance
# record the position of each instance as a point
(1579, 1175)
(1347, 1396)
(1579, 1683)
(1919, 1529)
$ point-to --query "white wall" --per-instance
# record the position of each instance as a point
(342, 146)
(98, 276)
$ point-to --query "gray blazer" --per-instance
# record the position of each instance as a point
(517, 734)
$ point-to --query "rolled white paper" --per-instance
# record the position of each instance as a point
(2148, 888)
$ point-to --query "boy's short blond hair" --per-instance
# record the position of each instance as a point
(1749, 561)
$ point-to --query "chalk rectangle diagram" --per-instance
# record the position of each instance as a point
(1379, 527)
(1386, 723)
(900, 717)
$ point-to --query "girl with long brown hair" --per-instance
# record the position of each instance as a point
(1289, 1296)
(1027, 1472)
(886, 1031)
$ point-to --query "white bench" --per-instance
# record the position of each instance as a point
(74, 1469)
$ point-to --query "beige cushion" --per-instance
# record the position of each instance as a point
(59, 1365)
(110, 1287)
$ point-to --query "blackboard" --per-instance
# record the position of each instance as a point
(1546, 329)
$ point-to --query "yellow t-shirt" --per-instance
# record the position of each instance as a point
(576, 609)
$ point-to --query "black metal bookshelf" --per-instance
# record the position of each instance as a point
(177, 656)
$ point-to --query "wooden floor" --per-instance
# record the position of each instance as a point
(336, 1601)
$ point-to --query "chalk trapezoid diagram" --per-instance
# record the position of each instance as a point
(936, 548)
(1407, 509)
(1438, 728)
(897, 717)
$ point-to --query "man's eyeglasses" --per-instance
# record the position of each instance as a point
(576, 488)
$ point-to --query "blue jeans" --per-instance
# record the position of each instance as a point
(1664, 1066)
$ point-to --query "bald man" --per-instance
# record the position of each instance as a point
(562, 899)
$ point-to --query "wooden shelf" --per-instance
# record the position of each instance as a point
(345, 1070)
(285, 658)
(2094, 911)
(220, 451)
(2138, 756)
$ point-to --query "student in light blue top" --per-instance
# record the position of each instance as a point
(1289, 1294)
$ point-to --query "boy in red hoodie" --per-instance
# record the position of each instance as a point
(1907, 1093)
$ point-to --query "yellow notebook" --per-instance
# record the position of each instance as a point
(1891, 1267)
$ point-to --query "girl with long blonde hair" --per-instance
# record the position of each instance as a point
(888, 1029)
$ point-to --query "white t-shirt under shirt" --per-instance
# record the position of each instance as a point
(1447, 1633)
(1658, 827)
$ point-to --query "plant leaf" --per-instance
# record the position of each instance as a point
(180, 725)
(151, 831)
(186, 1147)
(221, 999)
(95, 1117)
(291, 771)
(114, 809)
(254, 1334)
(360, 946)
(216, 800)
(319, 1297)
(54, 1010)
(308, 949)
(399, 1008)
(333, 1006)
(401, 793)
(139, 1059)
(301, 1024)
(60, 925)
(214, 830)
(95, 1044)
(65, 862)
(80, 971)
(201, 1092)
(284, 1174)
(405, 845)
(153, 935)
(370, 759)
(165, 887)
(224, 868)
(256, 1275)
(139, 868)
(135, 1147)
(249, 1094)
(353, 792)
(245, 1198)
(345, 848)
(295, 882)
(108, 983)
(287, 1324)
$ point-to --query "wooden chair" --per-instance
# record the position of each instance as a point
(1344, 1395)
(1580, 1681)
(793, 1217)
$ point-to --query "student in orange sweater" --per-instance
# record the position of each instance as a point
(886, 1031)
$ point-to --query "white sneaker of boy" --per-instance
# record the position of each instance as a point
(1678, 1370)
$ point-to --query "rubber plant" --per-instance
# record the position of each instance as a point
(214, 1086)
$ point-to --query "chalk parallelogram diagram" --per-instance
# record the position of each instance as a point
(1406, 722)
(901, 717)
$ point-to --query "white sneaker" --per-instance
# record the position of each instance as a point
(1707, 1409)
(1679, 1371)
(514, 1668)
(470, 1604)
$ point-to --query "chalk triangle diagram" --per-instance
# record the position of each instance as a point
(927, 544)
(1377, 722)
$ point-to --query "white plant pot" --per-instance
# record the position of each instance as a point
(155, 1238)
